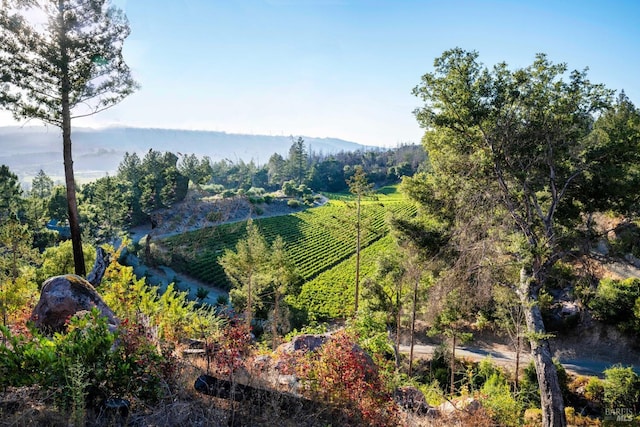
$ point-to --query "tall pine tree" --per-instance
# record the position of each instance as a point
(71, 66)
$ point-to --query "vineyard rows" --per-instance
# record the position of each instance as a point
(331, 294)
(316, 239)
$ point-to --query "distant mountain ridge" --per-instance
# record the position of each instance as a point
(97, 152)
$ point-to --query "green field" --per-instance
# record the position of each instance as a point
(331, 294)
(317, 239)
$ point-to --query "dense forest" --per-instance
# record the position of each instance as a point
(515, 223)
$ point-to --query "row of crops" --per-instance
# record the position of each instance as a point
(316, 239)
(331, 294)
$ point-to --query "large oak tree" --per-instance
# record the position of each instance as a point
(68, 66)
(509, 150)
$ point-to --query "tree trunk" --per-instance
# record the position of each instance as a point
(248, 311)
(275, 320)
(398, 323)
(453, 365)
(517, 362)
(72, 204)
(357, 258)
(99, 268)
(550, 393)
(413, 324)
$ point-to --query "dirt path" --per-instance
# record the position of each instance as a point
(194, 214)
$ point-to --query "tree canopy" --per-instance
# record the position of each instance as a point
(509, 151)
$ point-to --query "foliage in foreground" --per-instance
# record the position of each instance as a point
(88, 363)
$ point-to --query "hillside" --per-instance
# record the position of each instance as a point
(97, 152)
(317, 238)
(320, 241)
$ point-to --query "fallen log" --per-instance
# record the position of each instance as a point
(223, 389)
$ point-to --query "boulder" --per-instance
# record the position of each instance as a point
(63, 296)
(412, 399)
(469, 405)
(305, 343)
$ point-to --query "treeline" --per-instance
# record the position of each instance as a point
(318, 171)
(158, 180)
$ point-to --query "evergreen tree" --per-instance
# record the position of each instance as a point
(41, 189)
(245, 268)
(614, 174)
(276, 170)
(41, 185)
(130, 172)
(161, 184)
(359, 186)
(297, 161)
(70, 67)
(10, 193)
(282, 275)
(15, 252)
(507, 150)
(57, 204)
(198, 171)
(103, 204)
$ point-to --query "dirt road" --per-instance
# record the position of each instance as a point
(501, 356)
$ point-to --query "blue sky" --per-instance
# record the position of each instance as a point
(345, 68)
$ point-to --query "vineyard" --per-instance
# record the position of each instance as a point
(331, 294)
(316, 239)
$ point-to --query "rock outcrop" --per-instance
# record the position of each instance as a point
(412, 399)
(63, 296)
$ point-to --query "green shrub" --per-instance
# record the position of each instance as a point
(24, 360)
(614, 300)
(293, 203)
(530, 391)
(87, 363)
(594, 390)
(372, 330)
(503, 408)
(202, 293)
(169, 313)
(255, 191)
(214, 216)
(213, 188)
(621, 388)
(58, 260)
(627, 239)
(562, 276)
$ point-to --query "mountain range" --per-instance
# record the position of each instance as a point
(97, 152)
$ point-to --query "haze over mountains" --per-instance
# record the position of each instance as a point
(97, 152)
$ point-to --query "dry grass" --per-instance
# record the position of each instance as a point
(183, 406)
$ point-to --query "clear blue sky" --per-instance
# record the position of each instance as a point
(345, 68)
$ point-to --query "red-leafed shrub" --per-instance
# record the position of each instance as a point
(229, 351)
(343, 375)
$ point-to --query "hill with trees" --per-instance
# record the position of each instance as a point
(99, 151)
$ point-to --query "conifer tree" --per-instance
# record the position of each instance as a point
(507, 150)
(68, 67)
(359, 186)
